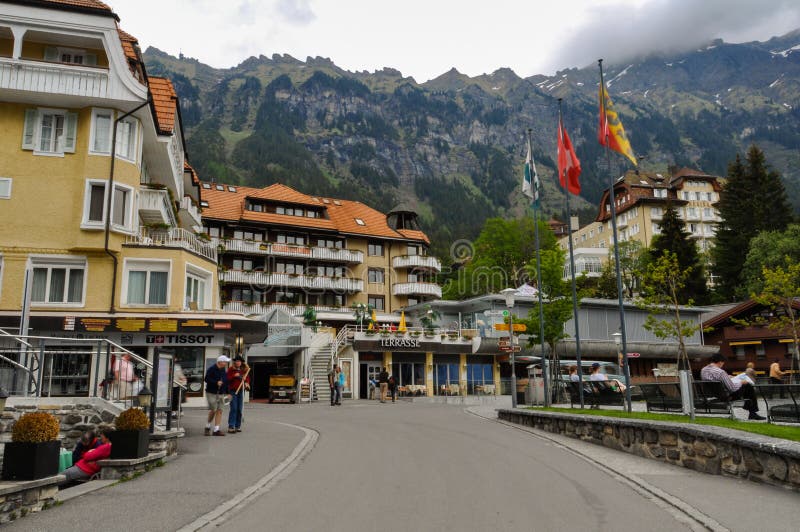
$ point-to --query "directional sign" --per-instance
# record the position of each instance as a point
(490, 313)
(634, 355)
(503, 342)
(518, 327)
(508, 348)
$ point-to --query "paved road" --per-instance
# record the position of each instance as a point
(417, 467)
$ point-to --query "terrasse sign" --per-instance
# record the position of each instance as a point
(400, 342)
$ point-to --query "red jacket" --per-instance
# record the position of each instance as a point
(235, 378)
(88, 464)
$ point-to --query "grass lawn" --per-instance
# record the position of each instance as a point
(766, 429)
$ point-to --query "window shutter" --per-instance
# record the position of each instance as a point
(29, 131)
(51, 54)
(90, 59)
(70, 130)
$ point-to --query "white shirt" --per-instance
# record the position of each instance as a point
(598, 377)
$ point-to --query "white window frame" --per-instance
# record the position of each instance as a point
(127, 227)
(59, 261)
(132, 154)
(92, 135)
(148, 265)
(10, 183)
(58, 150)
(199, 274)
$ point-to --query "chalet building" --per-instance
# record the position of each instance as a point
(641, 198)
(743, 335)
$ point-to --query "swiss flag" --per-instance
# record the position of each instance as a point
(569, 167)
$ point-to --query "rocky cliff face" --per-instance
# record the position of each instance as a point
(453, 147)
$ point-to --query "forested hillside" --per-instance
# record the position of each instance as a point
(453, 148)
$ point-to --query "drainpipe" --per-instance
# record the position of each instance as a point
(114, 258)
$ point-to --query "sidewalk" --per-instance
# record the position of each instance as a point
(207, 472)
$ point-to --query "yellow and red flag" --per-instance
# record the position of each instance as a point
(611, 129)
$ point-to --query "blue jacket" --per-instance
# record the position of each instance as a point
(214, 374)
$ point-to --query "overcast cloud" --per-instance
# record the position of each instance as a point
(621, 32)
(425, 38)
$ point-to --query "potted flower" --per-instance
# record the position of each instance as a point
(131, 438)
(370, 332)
(415, 334)
(34, 448)
(384, 332)
(452, 335)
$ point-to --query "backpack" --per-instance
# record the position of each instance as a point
(391, 381)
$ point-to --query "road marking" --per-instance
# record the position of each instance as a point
(682, 511)
(216, 517)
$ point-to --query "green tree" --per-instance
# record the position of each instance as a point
(499, 257)
(662, 285)
(781, 289)
(769, 249)
(675, 239)
(752, 200)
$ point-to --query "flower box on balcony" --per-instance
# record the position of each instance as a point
(416, 334)
(370, 332)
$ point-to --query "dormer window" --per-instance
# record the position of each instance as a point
(72, 56)
(206, 186)
(359, 221)
(220, 188)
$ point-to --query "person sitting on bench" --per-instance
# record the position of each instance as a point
(596, 375)
(87, 466)
(737, 388)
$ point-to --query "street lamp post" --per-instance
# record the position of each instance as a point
(509, 294)
(622, 358)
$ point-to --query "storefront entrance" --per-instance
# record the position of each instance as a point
(367, 371)
(261, 372)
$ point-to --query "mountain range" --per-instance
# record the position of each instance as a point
(453, 148)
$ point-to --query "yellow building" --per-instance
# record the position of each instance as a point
(640, 201)
(98, 208)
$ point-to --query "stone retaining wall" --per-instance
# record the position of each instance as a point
(18, 499)
(709, 449)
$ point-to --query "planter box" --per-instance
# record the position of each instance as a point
(129, 443)
(30, 461)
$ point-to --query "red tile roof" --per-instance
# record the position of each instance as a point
(129, 43)
(342, 214)
(165, 102)
(90, 4)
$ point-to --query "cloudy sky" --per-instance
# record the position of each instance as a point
(424, 38)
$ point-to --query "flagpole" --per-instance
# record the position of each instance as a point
(572, 266)
(545, 369)
(612, 197)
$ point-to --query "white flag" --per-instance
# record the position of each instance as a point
(530, 181)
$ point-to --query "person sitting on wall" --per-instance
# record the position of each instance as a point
(87, 466)
(87, 442)
(737, 388)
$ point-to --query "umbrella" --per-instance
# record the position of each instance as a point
(402, 327)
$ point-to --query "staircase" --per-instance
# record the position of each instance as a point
(320, 366)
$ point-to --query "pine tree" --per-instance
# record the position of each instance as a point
(752, 200)
(676, 239)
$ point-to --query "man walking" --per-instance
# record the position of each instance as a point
(737, 388)
(339, 385)
(238, 382)
(216, 389)
(333, 376)
(383, 381)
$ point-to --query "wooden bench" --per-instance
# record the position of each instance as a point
(782, 402)
(595, 393)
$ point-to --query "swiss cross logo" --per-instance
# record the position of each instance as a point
(155, 338)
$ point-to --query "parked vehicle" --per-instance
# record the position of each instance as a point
(282, 388)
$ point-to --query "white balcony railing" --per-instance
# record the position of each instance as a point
(286, 250)
(263, 308)
(155, 207)
(256, 279)
(54, 78)
(423, 289)
(173, 238)
(417, 261)
(189, 212)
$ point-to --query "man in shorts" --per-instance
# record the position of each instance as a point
(216, 391)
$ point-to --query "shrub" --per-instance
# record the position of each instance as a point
(35, 427)
(132, 419)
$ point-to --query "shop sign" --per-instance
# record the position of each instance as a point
(400, 342)
(194, 323)
(223, 325)
(130, 324)
(179, 339)
(163, 325)
(95, 324)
